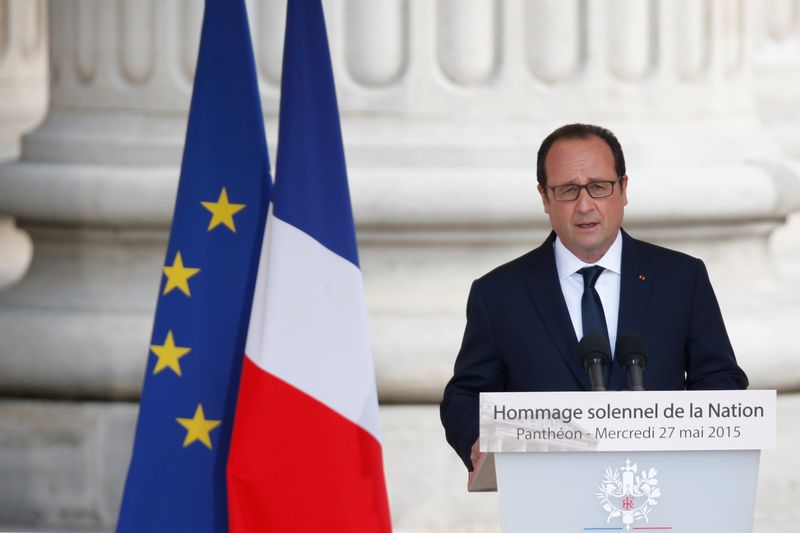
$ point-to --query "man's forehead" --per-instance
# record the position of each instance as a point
(581, 155)
(588, 142)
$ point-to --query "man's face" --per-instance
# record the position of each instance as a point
(587, 226)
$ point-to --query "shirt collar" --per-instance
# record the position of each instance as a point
(567, 263)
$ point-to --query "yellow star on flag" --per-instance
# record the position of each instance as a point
(222, 211)
(168, 354)
(178, 276)
(198, 427)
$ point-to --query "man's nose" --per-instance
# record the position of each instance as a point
(584, 202)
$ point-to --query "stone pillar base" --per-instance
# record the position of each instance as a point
(68, 462)
(16, 249)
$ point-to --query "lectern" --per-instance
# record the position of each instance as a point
(683, 461)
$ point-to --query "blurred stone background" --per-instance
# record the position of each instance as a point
(443, 104)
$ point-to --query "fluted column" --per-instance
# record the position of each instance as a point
(22, 70)
(507, 58)
(447, 104)
(443, 103)
(777, 69)
(22, 104)
(93, 190)
(776, 79)
(443, 106)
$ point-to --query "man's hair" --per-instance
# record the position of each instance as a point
(579, 131)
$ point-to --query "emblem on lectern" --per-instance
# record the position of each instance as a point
(628, 493)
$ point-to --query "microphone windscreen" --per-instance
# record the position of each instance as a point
(630, 346)
(594, 345)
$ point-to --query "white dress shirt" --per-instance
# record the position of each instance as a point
(607, 285)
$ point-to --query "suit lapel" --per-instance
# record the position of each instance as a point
(545, 290)
(634, 294)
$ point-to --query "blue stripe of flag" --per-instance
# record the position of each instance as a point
(311, 191)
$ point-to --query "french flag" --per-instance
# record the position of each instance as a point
(305, 453)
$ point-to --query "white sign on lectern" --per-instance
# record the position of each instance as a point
(657, 461)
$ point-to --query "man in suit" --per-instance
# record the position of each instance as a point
(524, 318)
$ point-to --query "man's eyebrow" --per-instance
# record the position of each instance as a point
(574, 181)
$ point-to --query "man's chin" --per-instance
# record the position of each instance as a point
(589, 250)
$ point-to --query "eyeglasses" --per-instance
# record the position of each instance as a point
(570, 191)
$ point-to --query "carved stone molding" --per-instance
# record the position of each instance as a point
(443, 105)
(22, 70)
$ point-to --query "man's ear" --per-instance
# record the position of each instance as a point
(543, 194)
(623, 187)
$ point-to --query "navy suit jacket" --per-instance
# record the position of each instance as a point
(519, 336)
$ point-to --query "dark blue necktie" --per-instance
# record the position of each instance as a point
(592, 316)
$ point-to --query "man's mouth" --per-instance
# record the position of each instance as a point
(587, 225)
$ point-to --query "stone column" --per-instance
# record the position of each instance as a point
(22, 103)
(94, 188)
(448, 122)
(776, 65)
(460, 94)
(443, 104)
(23, 90)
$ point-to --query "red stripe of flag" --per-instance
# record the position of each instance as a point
(299, 466)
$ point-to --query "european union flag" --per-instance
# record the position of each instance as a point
(176, 479)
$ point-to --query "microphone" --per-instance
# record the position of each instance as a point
(595, 354)
(631, 354)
